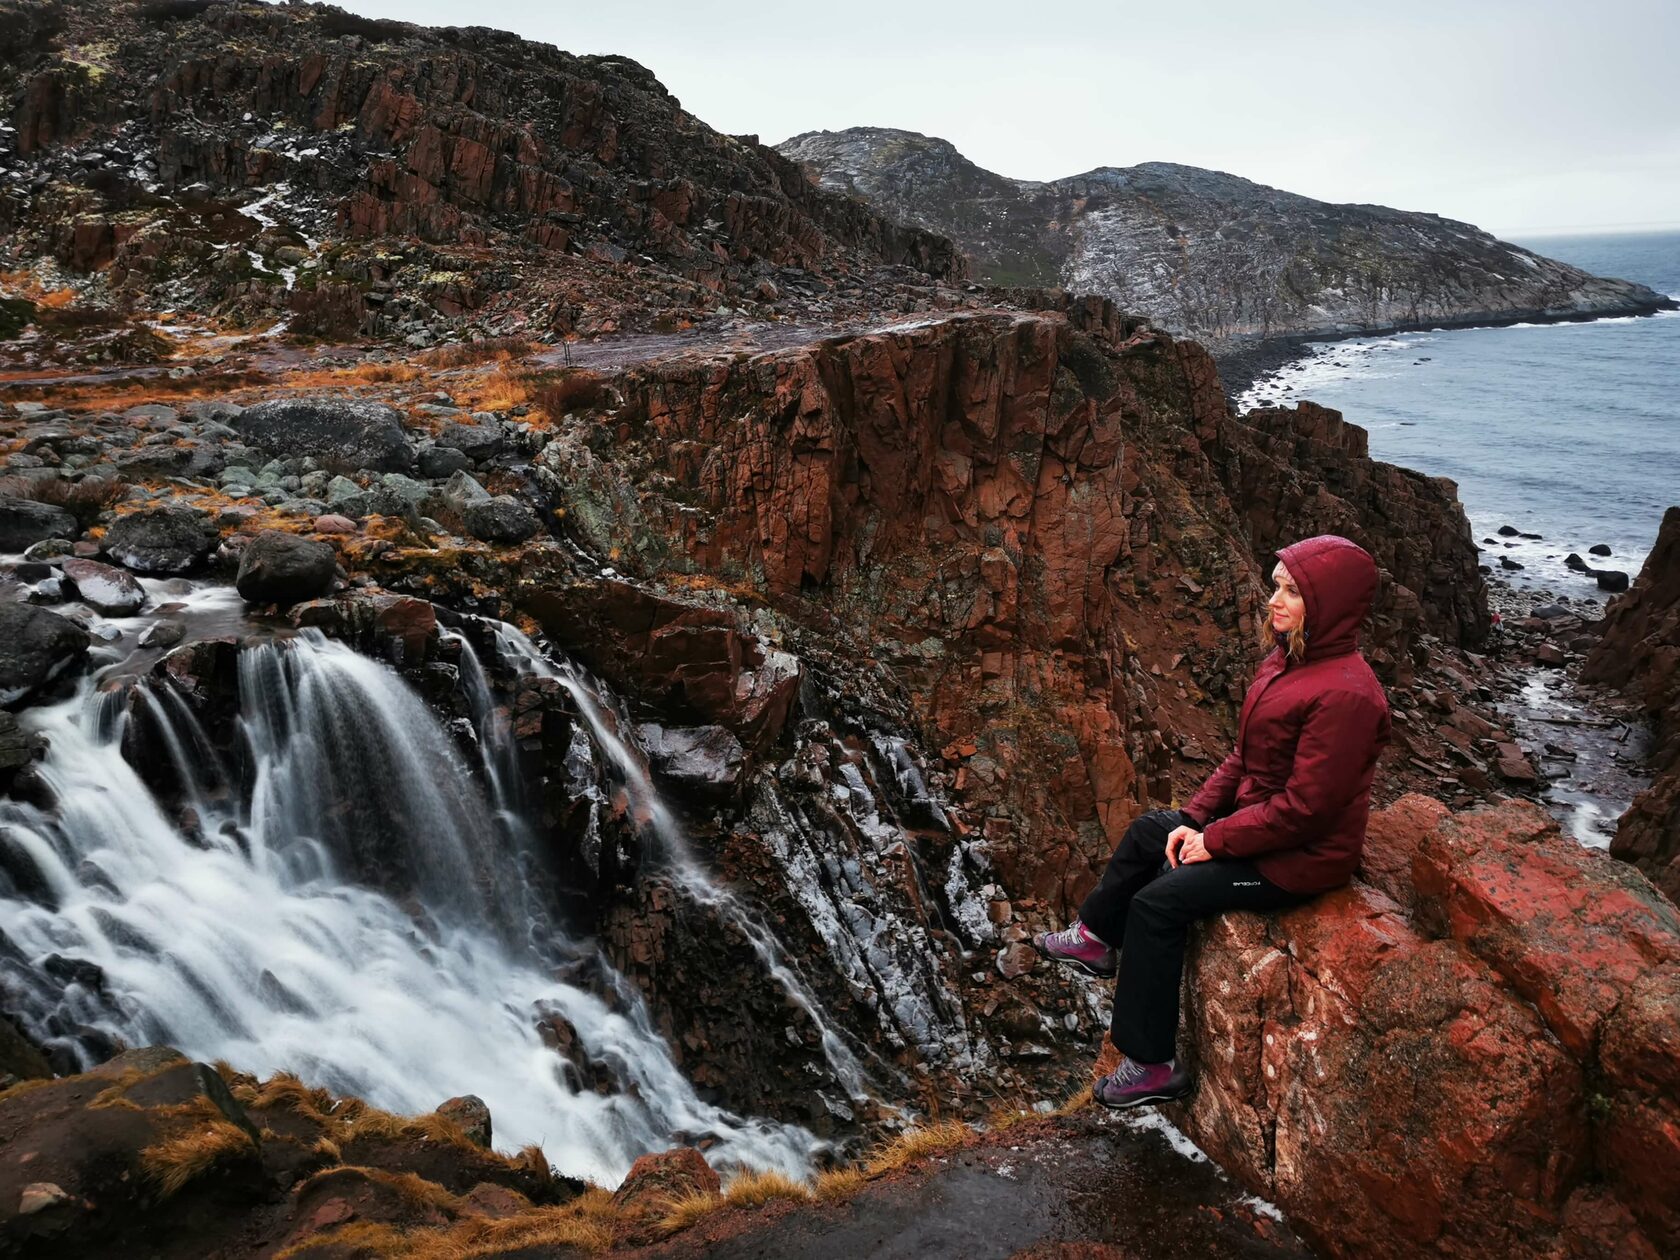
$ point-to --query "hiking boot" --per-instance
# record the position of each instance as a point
(1076, 945)
(1135, 1084)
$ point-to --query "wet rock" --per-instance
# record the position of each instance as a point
(1016, 960)
(35, 647)
(1505, 562)
(280, 568)
(1574, 561)
(162, 634)
(1599, 549)
(1549, 654)
(110, 590)
(161, 539)
(1507, 531)
(503, 519)
(24, 522)
(473, 1117)
(705, 759)
(50, 549)
(1613, 580)
(350, 434)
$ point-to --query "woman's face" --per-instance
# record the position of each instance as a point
(1288, 609)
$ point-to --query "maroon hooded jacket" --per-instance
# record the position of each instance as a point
(1296, 792)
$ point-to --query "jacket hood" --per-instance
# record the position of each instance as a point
(1338, 580)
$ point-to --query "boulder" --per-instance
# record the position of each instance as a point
(24, 522)
(281, 568)
(441, 461)
(161, 539)
(1471, 1049)
(111, 591)
(1612, 580)
(346, 433)
(655, 1180)
(703, 759)
(475, 441)
(472, 1115)
(503, 519)
(35, 646)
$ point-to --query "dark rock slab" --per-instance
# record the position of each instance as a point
(161, 540)
(344, 432)
(35, 646)
(280, 568)
(24, 522)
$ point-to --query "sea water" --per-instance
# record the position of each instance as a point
(1569, 431)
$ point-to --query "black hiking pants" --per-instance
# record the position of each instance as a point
(1144, 908)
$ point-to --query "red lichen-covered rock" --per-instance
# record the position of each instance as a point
(1487, 1059)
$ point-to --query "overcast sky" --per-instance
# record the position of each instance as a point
(1522, 116)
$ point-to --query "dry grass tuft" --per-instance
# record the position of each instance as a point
(596, 1204)
(84, 499)
(574, 390)
(467, 353)
(689, 1210)
(839, 1184)
(175, 1162)
(538, 1228)
(360, 374)
(1076, 1101)
(755, 1189)
(366, 1240)
(917, 1144)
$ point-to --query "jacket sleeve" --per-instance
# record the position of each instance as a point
(1219, 793)
(1338, 738)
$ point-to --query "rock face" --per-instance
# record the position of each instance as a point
(1208, 254)
(35, 646)
(340, 432)
(1475, 1050)
(161, 539)
(24, 522)
(1017, 529)
(278, 568)
(1640, 653)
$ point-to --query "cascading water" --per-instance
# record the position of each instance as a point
(692, 879)
(250, 932)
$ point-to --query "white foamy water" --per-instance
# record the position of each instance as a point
(246, 936)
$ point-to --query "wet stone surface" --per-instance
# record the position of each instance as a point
(1088, 1180)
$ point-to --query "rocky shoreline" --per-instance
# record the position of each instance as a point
(1242, 367)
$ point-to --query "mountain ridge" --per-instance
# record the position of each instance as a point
(1210, 254)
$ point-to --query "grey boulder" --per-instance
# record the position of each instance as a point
(279, 568)
(344, 432)
(108, 590)
(503, 519)
(24, 522)
(35, 646)
(161, 540)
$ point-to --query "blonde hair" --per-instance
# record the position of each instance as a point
(1295, 641)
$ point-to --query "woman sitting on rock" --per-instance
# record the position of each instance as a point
(1281, 819)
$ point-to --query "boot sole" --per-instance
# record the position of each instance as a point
(1086, 967)
(1143, 1100)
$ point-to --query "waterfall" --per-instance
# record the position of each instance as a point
(334, 900)
(691, 879)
